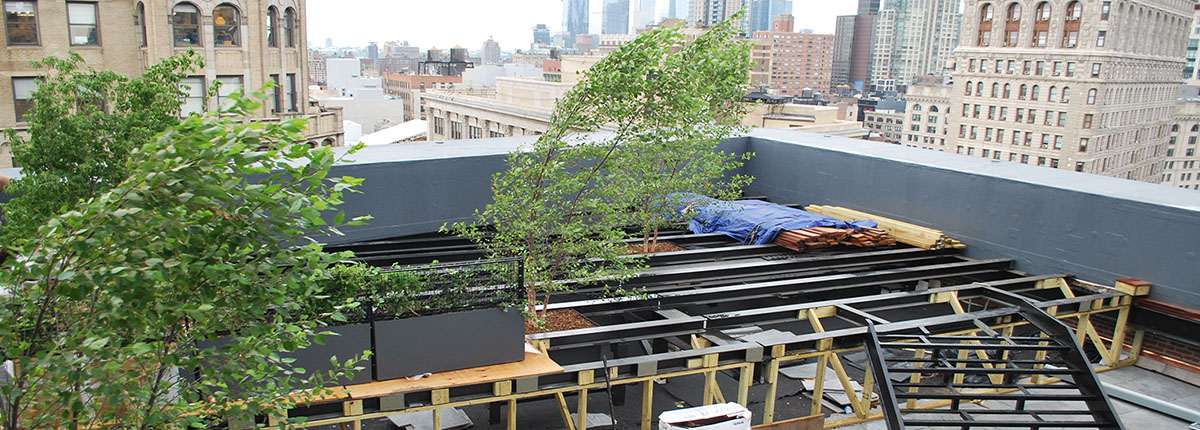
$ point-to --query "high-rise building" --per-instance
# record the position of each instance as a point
(1181, 167)
(244, 47)
(643, 14)
(373, 51)
(705, 13)
(912, 38)
(763, 11)
(328, 42)
(541, 35)
(678, 9)
(1089, 86)
(616, 17)
(798, 61)
(491, 52)
(575, 18)
(1191, 70)
(843, 49)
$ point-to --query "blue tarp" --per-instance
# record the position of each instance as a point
(752, 221)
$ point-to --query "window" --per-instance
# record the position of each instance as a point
(991, 112)
(1079, 166)
(979, 89)
(1083, 144)
(140, 20)
(1014, 12)
(1012, 66)
(1020, 114)
(1024, 92)
(474, 132)
(1043, 12)
(983, 66)
(291, 92)
(1050, 96)
(995, 90)
(23, 89)
(916, 117)
(439, 125)
(1057, 68)
(969, 87)
(1104, 7)
(1062, 119)
(1054, 163)
(229, 86)
(1003, 113)
(1070, 38)
(20, 21)
(1070, 69)
(1007, 90)
(986, 14)
(226, 28)
(1087, 121)
(1041, 68)
(193, 99)
(185, 25)
(1066, 94)
(455, 130)
(1032, 116)
(1035, 93)
(971, 65)
(1049, 118)
(289, 27)
(272, 27)
(1028, 68)
(1058, 142)
(1091, 97)
(1039, 38)
(1025, 158)
(965, 109)
(1012, 156)
(1100, 38)
(916, 108)
(82, 24)
(276, 97)
(975, 114)
(987, 134)
(1074, 11)
(1041, 161)
(1095, 70)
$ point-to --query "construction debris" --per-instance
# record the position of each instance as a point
(903, 232)
(822, 237)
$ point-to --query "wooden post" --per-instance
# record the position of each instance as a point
(647, 403)
(438, 397)
(772, 375)
(585, 377)
(744, 380)
(512, 414)
(562, 410)
(915, 378)
(1118, 341)
(819, 382)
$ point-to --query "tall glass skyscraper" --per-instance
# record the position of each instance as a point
(575, 18)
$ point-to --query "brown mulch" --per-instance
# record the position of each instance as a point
(658, 247)
(566, 319)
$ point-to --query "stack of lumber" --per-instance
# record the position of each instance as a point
(823, 237)
(903, 232)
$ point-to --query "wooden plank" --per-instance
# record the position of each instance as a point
(1133, 286)
(533, 365)
(811, 422)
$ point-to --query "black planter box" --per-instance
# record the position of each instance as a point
(351, 341)
(440, 343)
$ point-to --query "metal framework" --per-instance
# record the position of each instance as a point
(822, 305)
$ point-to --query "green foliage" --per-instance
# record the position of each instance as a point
(418, 291)
(108, 301)
(562, 204)
(82, 127)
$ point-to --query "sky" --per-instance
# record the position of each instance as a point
(446, 23)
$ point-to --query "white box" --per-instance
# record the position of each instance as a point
(725, 416)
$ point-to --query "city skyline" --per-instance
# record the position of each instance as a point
(443, 25)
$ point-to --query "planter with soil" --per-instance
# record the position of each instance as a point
(447, 317)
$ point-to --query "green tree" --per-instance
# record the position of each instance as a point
(204, 238)
(671, 124)
(82, 126)
(562, 204)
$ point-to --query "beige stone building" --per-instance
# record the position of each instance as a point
(1182, 166)
(410, 88)
(516, 107)
(1088, 86)
(927, 107)
(245, 43)
(885, 125)
(813, 119)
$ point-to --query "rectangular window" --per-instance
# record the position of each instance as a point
(1095, 70)
(999, 135)
(966, 108)
(1070, 38)
(986, 153)
(987, 134)
(276, 95)
(1104, 7)
(1070, 69)
(1039, 38)
(1100, 38)
(439, 126)
(1083, 143)
(975, 113)
(1041, 161)
(974, 132)
(1016, 137)
(1004, 113)
(1028, 68)
(1054, 163)
(1079, 166)
(193, 101)
(1012, 66)
(83, 24)
(292, 98)
(1041, 68)
(1045, 141)
(229, 86)
(1012, 156)
(1025, 158)
(1032, 116)
(1058, 142)
(991, 112)
(1087, 121)
(1057, 68)
(1020, 114)
(20, 21)
(455, 130)
(971, 65)
(23, 89)
(1062, 119)
(1049, 119)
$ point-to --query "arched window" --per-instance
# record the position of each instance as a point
(969, 88)
(917, 108)
(995, 89)
(185, 24)
(979, 89)
(1052, 95)
(289, 27)
(1024, 92)
(1091, 97)
(1195, 128)
(1175, 128)
(1014, 12)
(985, 25)
(272, 26)
(1007, 90)
(1043, 11)
(226, 26)
(933, 109)
(1066, 95)
(141, 23)
(1034, 94)
(1074, 11)
(327, 142)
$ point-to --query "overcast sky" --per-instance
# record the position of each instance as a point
(445, 23)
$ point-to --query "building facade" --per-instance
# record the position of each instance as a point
(798, 60)
(616, 17)
(763, 11)
(245, 44)
(410, 87)
(541, 35)
(843, 49)
(1181, 167)
(706, 13)
(1191, 70)
(927, 110)
(575, 18)
(912, 38)
(1089, 86)
(885, 125)
(491, 52)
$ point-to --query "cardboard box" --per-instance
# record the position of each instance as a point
(726, 416)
